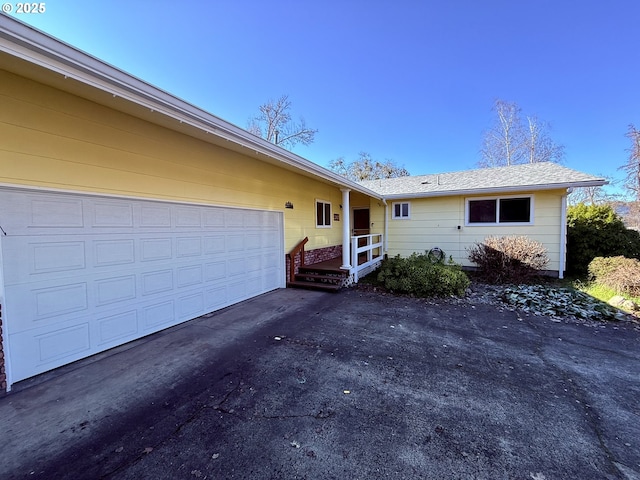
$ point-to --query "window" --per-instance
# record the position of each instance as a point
(401, 210)
(500, 210)
(323, 214)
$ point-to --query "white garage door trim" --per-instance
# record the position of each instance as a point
(84, 273)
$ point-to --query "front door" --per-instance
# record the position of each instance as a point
(360, 221)
(361, 227)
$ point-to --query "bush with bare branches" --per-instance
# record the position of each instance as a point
(618, 273)
(509, 259)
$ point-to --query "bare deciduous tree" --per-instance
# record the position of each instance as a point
(274, 124)
(365, 168)
(595, 195)
(502, 144)
(632, 167)
(540, 146)
(511, 141)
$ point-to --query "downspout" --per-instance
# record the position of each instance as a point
(346, 230)
(385, 242)
(563, 233)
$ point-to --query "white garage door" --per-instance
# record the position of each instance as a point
(83, 274)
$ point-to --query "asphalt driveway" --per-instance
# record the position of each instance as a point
(355, 385)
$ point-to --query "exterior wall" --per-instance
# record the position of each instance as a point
(56, 140)
(434, 223)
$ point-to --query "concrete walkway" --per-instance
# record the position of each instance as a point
(298, 384)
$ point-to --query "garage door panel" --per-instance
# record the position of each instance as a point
(216, 297)
(188, 246)
(117, 328)
(213, 217)
(235, 242)
(157, 282)
(115, 252)
(42, 350)
(214, 245)
(158, 315)
(114, 290)
(112, 214)
(235, 267)
(191, 305)
(29, 308)
(154, 215)
(56, 212)
(188, 217)
(154, 249)
(189, 275)
(83, 273)
(215, 271)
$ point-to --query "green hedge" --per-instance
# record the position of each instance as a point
(420, 276)
(597, 231)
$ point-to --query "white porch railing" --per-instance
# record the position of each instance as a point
(366, 254)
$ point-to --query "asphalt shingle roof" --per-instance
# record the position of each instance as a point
(534, 176)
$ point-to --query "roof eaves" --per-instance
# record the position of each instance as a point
(498, 190)
(30, 44)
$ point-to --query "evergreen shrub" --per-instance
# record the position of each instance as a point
(597, 231)
(420, 276)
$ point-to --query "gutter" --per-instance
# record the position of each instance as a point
(494, 190)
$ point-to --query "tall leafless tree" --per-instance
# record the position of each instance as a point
(595, 195)
(632, 167)
(365, 168)
(502, 143)
(275, 124)
(540, 146)
(511, 141)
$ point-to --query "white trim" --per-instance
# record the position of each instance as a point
(531, 221)
(563, 236)
(493, 190)
(4, 328)
(315, 212)
(401, 217)
(346, 227)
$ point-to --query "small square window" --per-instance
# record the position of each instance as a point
(323, 214)
(401, 210)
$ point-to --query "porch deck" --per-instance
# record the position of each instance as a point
(334, 264)
(328, 265)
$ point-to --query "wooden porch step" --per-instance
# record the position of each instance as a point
(325, 276)
(319, 276)
(329, 287)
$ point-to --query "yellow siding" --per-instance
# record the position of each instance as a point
(53, 139)
(434, 223)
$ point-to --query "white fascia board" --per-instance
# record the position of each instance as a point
(32, 45)
(496, 191)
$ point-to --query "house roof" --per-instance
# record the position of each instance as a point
(29, 52)
(528, 177)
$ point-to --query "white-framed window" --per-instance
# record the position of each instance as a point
(512, 210)
(401, 211)
(323, 214)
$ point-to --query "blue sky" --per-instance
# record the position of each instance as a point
(407, 80)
